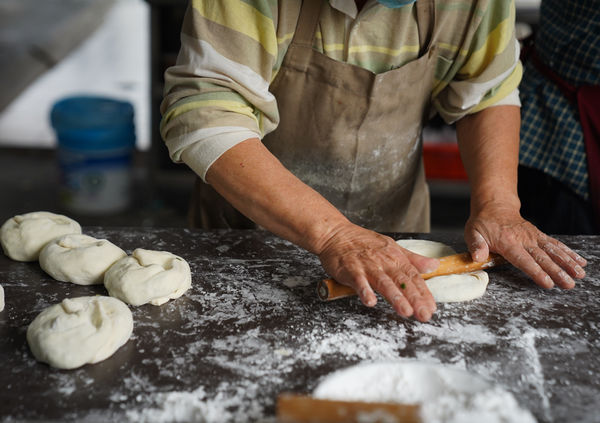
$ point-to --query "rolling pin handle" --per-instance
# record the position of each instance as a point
(322, 291)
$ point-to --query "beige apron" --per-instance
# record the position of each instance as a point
(352, 135)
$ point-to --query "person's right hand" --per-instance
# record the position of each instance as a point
(368, 261)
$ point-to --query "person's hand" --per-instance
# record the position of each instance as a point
(502, 230)
(367, 261)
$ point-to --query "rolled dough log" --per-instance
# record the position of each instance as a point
(148, 276)
(23, 236)
(450, 288)
(79, 330)
(80, 259)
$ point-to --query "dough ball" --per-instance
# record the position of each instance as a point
(449, 288)
(79, 330)
(78, 258)
(24, 236)
(1, 298)
(148, 276)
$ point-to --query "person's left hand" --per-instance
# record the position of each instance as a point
(502, 230)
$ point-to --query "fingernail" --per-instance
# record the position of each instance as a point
(579, 270)
(549, 282)
(424, 313)
(406, 311)
(369, 302)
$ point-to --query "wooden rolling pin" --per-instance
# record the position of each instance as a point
(329, 289)
(293, 408)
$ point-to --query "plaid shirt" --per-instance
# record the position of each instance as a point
(568, 41)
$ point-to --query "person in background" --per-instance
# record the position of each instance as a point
(306, 117)
(559, 172)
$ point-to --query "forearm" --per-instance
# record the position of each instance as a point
(489, 146)
(260, 187)
(489, 142)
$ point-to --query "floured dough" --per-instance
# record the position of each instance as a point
(449, 288)
(426, 248)
(24, 236)
(79, 330)
(78, 258)
(1, 298)
(148, 276)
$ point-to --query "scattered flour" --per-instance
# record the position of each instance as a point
(182, 407)
(294, 281)
(457, 332)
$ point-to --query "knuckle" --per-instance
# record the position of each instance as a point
(569, 262)
(397, 299)
(538, 255)
(413, 298)
(379, 283)
(547, 246)
(407, 270)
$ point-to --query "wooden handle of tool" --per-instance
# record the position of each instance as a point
(329, 289)
(293, 408)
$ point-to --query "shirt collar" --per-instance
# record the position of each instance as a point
(348, 7)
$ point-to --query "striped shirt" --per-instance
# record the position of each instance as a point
(217, 94)
(551, 137)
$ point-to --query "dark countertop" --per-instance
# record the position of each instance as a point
(251, 326)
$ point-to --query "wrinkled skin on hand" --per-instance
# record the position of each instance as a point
(502, 230)
(367, 261)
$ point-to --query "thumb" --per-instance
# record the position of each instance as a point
(478, 247)
(421, 263)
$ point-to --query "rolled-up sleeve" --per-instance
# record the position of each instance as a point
(487, 69)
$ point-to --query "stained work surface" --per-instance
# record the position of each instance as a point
(251, 327)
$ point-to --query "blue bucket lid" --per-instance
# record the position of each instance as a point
(91, 112)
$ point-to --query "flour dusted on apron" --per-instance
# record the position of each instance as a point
(352, 135)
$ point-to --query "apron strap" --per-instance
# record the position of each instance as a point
(587, 101)
(306, 27)
(567, 89)
(425, 23)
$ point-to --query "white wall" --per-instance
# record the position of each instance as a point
(114, 61)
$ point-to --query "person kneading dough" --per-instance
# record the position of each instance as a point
(79, 330)
(23, 236)
(323, 146)
(148, 276)
(80, 259)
